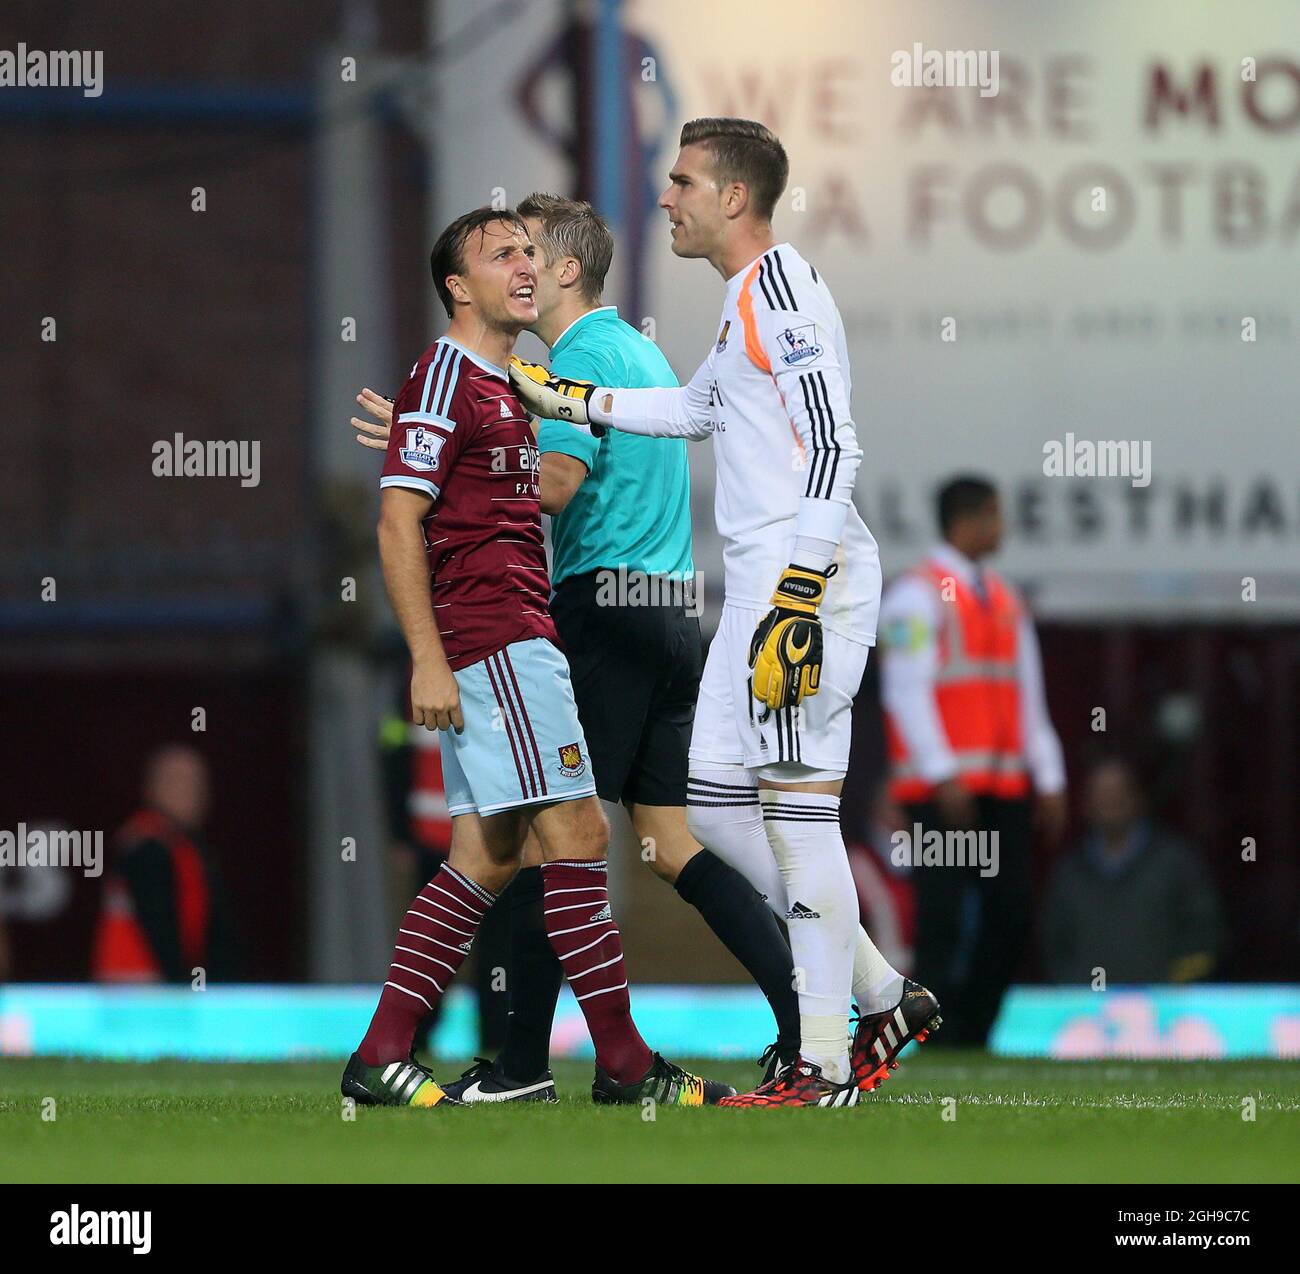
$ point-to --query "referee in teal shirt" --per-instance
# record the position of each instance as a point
(624, 608)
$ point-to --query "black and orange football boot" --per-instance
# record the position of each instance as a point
(878, 1038)
(799, 1084)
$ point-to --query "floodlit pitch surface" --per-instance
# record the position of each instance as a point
(942, 1117)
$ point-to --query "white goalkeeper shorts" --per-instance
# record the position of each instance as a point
(734, 728)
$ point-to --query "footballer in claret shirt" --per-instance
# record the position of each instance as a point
(460, 539)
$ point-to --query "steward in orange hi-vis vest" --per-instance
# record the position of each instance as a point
(977, 691)
(154, 921)
(430, 820)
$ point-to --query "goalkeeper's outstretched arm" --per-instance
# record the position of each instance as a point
(662, 413)
(682, 412)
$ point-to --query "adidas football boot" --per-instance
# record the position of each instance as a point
(801, 1083)
(664, 1083)
(393, 1084)
(878, 1038)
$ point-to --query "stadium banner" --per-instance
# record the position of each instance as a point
(1063, 239)
(296, 1023)
(1073, 1024)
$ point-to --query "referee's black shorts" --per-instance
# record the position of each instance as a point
(636, 675)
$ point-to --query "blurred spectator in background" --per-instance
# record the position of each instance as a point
(968, 735)
(164, 913)
(1132, 899)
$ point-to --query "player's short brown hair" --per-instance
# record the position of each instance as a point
(573, 228)
(744, 150)
(448, 255)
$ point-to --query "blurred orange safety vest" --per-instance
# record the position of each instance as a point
(430, 818)
(122, 951)
(977, 688)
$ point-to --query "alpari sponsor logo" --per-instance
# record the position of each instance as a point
(52, 847)
(75, 1228)
(216, 458)
(571, 763)
(799, 345)
(945, 848)
(521, 465)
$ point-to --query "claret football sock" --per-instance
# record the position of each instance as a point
(581, 928)
(533, 981)
(736, 912)
(434, 938)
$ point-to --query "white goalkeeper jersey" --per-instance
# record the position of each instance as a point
(774, 396)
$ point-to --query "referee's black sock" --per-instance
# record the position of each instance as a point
(736, 912)
(535, 976)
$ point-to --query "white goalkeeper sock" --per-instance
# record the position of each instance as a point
(877, 985)
(803, 829)
(724, 815)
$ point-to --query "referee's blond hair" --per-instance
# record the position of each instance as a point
(572, 228)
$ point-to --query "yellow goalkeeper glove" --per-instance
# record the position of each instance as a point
(555, 397)
(786, 651)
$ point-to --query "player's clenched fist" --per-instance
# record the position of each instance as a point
(786, 652)
(555, 397)
(435, 697)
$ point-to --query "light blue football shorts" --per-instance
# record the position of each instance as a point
(522, 744)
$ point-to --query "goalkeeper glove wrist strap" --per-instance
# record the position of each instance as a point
(800, 589)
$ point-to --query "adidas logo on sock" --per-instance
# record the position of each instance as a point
(799, 912)
(603, 914)
(464, 946)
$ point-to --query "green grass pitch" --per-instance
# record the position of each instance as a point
(1007, 1120)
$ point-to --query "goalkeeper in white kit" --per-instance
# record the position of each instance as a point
(770, 745)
